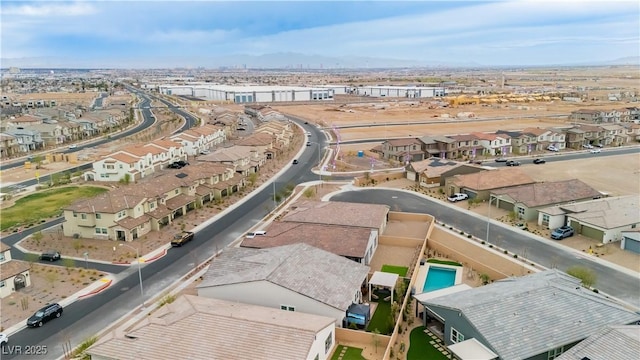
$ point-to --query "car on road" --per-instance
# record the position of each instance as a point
(553, 148)
(295, 162)
(308, 143)
(539, 161)
(49, 312)
(253, 234)
(562, 232)
(4, 339)
(182, 238)
(512, 163)
(73, 146)
(595, 151)
(51, 255)
(458, 197)
(477, 162)
(501, 159)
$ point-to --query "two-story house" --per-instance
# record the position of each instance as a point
(262, 141)
(438, 146)
(587, 115)
(614, 134)
(521, 142)
(494, 144)
(467, 146)
(14, 274)
(403, 150)
(27, 140)
(244, 159)
(8, 145)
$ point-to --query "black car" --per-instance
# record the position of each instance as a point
(49, 312)
(512, 163)
(175, 166)
(539, 161)
(50, 255)
(181, 163)
(295, 162)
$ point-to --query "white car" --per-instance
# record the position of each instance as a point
(552, 148)
(4, 339)
(204, 152)
(73, 146)
(458, 197)
(595, 151)
(587, 146)
(253, 234)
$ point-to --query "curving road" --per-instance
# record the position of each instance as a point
(89, 316)
(622, 285)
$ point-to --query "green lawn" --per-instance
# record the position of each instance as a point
(419, 347)
(380, 319)
(352, 353)
(41, 205)
(444, 262)
(393, 269)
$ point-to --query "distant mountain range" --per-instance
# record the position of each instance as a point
(267, 61)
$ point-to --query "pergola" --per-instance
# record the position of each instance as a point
(385, 279)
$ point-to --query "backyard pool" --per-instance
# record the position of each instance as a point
(439, 278)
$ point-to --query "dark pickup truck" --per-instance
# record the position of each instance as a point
(182, 238)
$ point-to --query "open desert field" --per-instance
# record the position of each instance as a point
(61, 98)
(615, 175)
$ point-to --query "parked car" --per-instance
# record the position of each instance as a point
(295, 161)
(182, 163)
(587, 146)
(501, 159)
(4, 339)
(204, 152)
(562, 232)
(513, 163)
(73, 146)
(599, 145)
(595, 151)
(553, 148)
(522, 226)
(49, 312)
(458, 197)
(253, 234)
(539, 161)
(175, 166)
(50, 255)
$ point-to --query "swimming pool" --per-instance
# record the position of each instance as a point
(439, 278)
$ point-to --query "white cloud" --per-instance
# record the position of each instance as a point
(49, 9)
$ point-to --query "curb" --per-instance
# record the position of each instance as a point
(156, 257)
(108, 283)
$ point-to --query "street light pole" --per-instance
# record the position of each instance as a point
(139, 273)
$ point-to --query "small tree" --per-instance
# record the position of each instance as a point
(126, 179)
(37, 236)
(309, 193)
(587, 276)
(252, 178)
(77, 245)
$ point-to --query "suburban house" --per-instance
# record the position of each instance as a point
(467, 146)
(526, 200)
(593, 134)
(296, 277)
(371, 216)
(538, 316)
(14, 274)
(208, 328)
(575, 138)
(129, 212)
(547, 137)
(588, 115)
(8, 145)
(429, 171)
(136, 161)
(631, 240)
(263, 142)
(602, 219)
(479, 185)
(614, 134)
(281, 130)
(244, 159)
(494, 144)
(357, 244)
(615, 342)
(402, 150)
(438, 146)
(521, 142)
(26, 139)
(200, 138)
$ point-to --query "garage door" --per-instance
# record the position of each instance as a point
(632, 245)
(472, 195)
(592, 233)
(411, 175)
(505, 205)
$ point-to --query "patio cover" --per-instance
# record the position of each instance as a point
(436, 293)
(385, 279)
(472, 349)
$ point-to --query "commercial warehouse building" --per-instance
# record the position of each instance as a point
(412, 92)
(249, 94)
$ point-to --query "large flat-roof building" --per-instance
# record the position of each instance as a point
(249, 93)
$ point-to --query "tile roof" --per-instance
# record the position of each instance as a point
(257, 139)
(13, 268)
(122, 157)
(110, 203)
(179, 201)
(309, 271)
(215, 329)
(616, 342)
(548, 193)
(526, 316)
(403, 142)
(340, 240)
(434, 166)
(607, 213)
(494, 179)
(338, 213)
(232, 154)
(131, 223)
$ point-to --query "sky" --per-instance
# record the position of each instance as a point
(209, 33)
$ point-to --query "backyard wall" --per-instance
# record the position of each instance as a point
(378, 177)
(400, 241)
(472, 253)
(355, 337)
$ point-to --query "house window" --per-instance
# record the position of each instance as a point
(177, 190)
(1, 257)
(520, 212)
(545, 219)
(152, 205)
(104, 230)
(287, 308)
(552, 354)
(328, 343)
(456, 336)
(98, 231)
(98, 216)
(83, 216)
(633, 226)
(120, 166)
(74, 214)
(2, 284)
